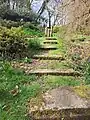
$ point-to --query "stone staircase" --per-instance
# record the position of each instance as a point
(48, 57)
(60, 103)
(50, 42)
(49, 45)
(69, 72)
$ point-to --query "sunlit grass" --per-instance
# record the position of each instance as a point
(57, 81)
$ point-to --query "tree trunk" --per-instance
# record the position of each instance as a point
(49, 15)
(8, 4)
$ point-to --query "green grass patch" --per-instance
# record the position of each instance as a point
(34, 45)
(61, 48)
(16, 89)
(56, 81)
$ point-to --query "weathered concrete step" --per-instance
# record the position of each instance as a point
(44, 47)
(59, 104)
(48, 57)
(50, 42)
(68, 72)
(51, 38)
(63, 114)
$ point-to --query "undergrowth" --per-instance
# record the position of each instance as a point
(32, 32)
(16, 89)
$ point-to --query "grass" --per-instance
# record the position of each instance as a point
(61, 48)
(83, 91)
(56, 81)
(14, 107)
(33, 32)
(34, 45)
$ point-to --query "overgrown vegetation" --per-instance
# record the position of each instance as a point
(9, 24)
(16, 88)
(77, 51)
(57, 81)
(32, 30)
(20, 29)
(13, 44)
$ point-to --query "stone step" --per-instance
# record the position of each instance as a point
(49, 57)
(51, 38)
(63, 114)
(50, 42)
(59, 104)
(48, 47)
(68, 72)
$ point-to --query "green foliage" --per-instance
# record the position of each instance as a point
(10, 24)
(32, 30)
(12, 42)
(15, 91)
(27, 60)
(34, 44)
(31, 26)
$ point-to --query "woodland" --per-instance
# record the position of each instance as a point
(44, 46)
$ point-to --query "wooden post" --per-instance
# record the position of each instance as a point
(46, 32)
(51, 30)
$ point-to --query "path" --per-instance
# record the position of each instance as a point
(60, 103)
(53, 104)
(48, 64)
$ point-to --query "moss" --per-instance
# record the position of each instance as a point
(61, 114)
(82, 91)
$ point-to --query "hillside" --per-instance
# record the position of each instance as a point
(78, 14)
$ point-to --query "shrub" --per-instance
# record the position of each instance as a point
(10, 24)
(32, 30)
(34, 44)
(12, 44)
(31, 26)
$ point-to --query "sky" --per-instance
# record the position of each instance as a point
(36, 5)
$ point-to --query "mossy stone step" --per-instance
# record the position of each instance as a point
(68, 72)
(51, 38)
(48, 47)
(63, 114)
(49, 57)
(59, 104)
(50, 42)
